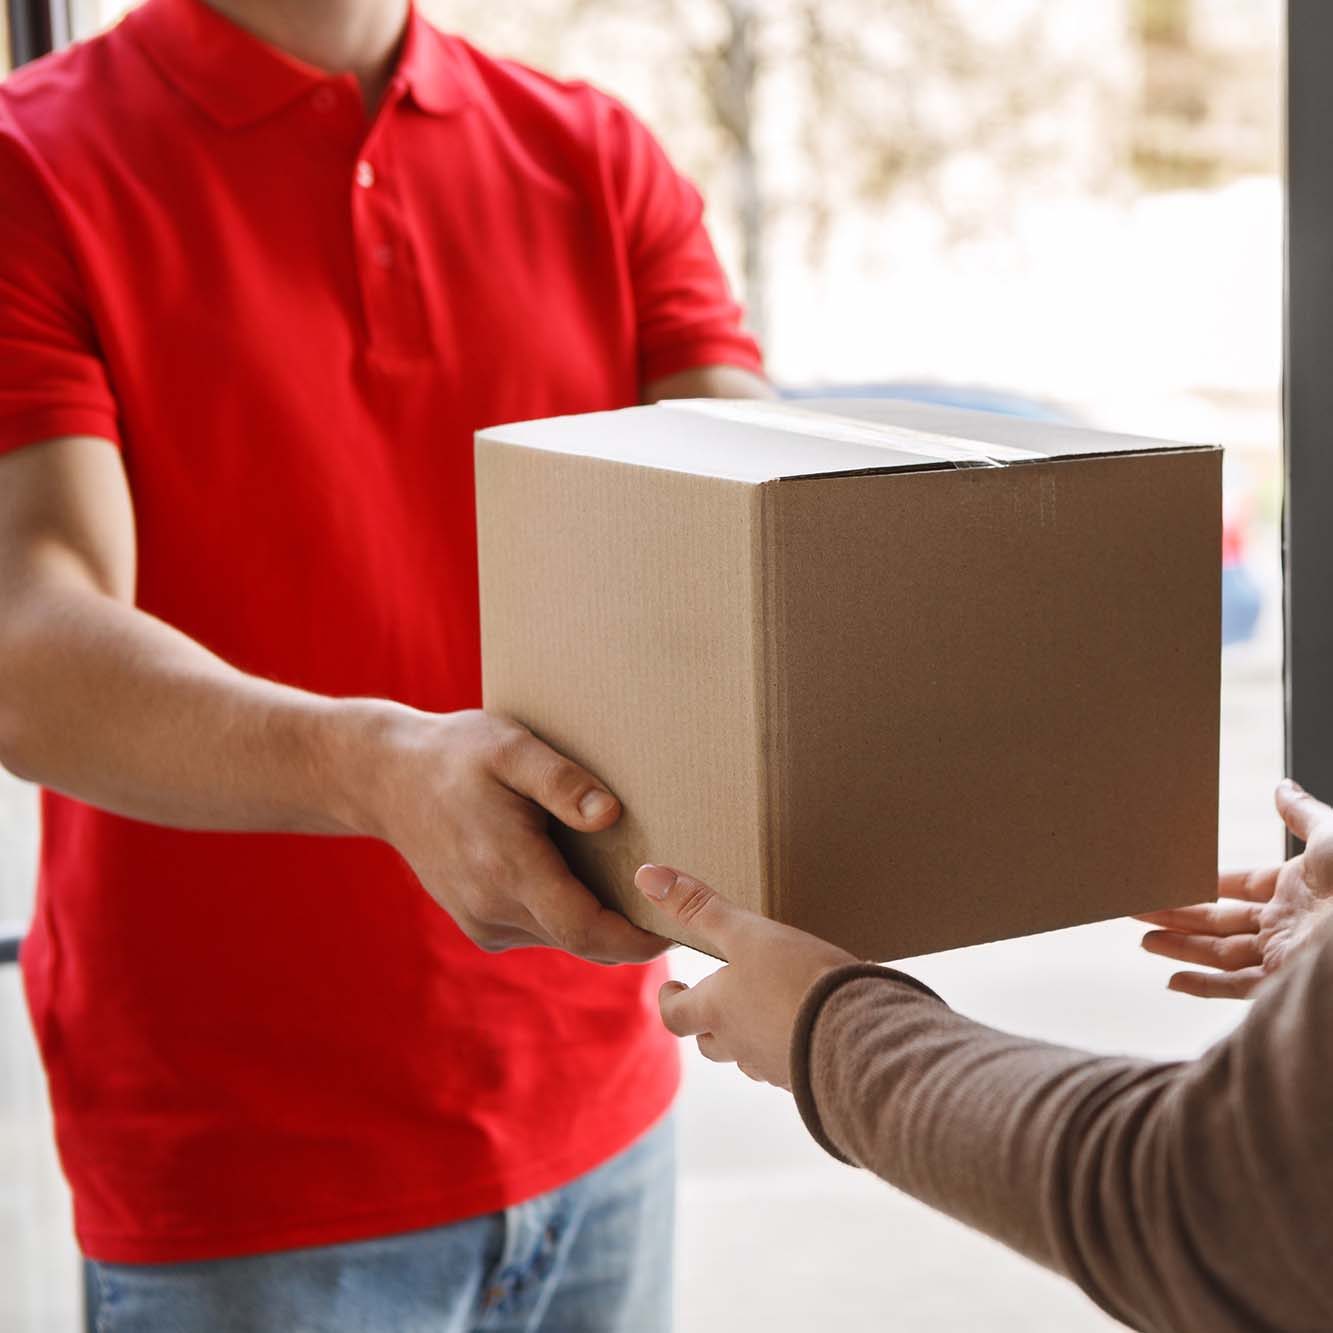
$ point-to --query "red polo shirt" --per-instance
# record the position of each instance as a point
(291, 324)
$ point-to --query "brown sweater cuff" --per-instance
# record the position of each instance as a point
(803, 1032)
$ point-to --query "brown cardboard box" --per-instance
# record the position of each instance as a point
(908, 677)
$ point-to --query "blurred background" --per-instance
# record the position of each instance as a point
(1069, 210)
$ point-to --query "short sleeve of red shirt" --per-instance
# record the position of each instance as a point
(52, 378)
(686, 314)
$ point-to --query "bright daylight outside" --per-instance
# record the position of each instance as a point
(1067, 211)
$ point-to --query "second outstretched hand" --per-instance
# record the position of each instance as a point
(1261, 918)
(744, 1012)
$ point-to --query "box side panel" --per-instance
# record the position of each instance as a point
(618, 623)
(1001, 712)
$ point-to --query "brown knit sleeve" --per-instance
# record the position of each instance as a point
(1189, 1196)
(807, 1016)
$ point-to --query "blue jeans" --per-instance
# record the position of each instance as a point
(592, 1257)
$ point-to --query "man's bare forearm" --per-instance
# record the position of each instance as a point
(108, 704)
(112, 706)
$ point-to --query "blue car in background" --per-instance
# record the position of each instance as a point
(1242, 599)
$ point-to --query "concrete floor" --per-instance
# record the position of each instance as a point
(774, 1235)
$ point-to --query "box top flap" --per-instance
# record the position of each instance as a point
(758, 441)
(1048, 439)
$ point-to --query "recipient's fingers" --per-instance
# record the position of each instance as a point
(1255, 886)
(1220, 918)
(1218, 985)
(704, 912)
(533, 769)
(712, 1049)
(1299, 810)
(1229, 952)
(685, 1010)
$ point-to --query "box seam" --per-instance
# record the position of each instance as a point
(771, 701)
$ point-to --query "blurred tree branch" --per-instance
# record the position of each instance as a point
(813, 106)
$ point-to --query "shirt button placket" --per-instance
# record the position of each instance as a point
(393, 311)
(365, 225)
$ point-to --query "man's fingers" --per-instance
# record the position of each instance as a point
(573, 920)
(684, 1009)
(704, 912)
(492, 939)
(1299, 810)
(1220, 918)
(1229, 952)
(580, 925)
(1218, 985)
(533, 769)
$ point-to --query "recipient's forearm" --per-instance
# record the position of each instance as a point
(1179, 1197)
(110, 705)
(960, 1116)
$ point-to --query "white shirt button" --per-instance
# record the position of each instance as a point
(365, 175)
(324, 100)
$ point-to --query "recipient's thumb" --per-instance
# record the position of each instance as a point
(1299, 810)
(703, 912)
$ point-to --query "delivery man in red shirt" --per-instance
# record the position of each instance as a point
(265, 266)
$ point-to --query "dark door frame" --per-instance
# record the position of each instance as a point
(36, 27)
(1307, 528)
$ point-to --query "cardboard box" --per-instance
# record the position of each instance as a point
(904, 676)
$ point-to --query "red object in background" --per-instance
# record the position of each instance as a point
(292, 326)
(1242, 594)
(1237, 509)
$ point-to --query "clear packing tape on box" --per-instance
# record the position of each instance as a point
(852, 430)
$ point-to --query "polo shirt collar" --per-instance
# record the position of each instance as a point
(436, 70)
(238, 80)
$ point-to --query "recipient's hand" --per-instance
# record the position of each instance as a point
(1265, 916)
(744, 1012)
(464, 798)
